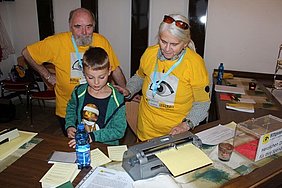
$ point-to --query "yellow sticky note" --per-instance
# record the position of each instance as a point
(59, 173)
(116, 152)
(98, 158)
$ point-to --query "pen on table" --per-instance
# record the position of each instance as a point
(235, 98)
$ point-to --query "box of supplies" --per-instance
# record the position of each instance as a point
(258, 138)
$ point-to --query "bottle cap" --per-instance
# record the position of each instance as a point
(80, 126)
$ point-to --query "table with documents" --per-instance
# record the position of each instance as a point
(270, 174)
(30, 168)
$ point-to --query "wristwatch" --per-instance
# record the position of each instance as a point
(128, 97)
(189, 123)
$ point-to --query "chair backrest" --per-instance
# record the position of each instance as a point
(22, 71)
(132, 115)
(21, 61)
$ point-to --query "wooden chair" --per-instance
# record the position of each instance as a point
(277, 83)
(48, 94)
(16, 88)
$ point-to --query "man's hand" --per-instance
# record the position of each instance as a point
(180, 128)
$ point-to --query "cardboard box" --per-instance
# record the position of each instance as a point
(258, 138)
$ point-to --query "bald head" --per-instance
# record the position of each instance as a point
(74, 13)
(82, 23)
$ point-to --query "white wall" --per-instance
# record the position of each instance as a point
(61, 10)
(243, 34)
(158, 8)
(115, 25)
(5, 65)
(22, 26)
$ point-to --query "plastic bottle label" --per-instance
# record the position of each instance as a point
(83, 155)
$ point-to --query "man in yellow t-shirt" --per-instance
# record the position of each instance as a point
(65, 52)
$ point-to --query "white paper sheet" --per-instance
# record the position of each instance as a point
(216, 135)
(101, 177)
(64, 157)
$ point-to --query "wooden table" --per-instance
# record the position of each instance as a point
(269, 175)
(31, 167)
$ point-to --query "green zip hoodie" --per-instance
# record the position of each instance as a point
(116, 126)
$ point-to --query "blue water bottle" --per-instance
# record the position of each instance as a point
(82, 148)
(220, 74)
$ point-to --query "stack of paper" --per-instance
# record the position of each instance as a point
(8, 148)
(242, 107)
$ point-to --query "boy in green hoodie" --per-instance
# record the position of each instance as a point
(97, 103)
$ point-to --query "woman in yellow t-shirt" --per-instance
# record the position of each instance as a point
(174, 83)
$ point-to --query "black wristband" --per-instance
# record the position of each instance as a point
(189, 123)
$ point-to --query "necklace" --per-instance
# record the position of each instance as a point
(156, 84)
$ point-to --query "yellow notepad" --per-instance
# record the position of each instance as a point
(58, 174)
(242, 107)
(8, 148)
(184, 159)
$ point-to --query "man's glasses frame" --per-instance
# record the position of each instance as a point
(180, 24)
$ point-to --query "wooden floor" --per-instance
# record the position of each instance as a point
(45, 121)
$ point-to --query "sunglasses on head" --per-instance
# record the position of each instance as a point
(169, 20)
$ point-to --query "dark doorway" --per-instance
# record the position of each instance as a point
(45, 18)
(197, 16)
(92, 5)
(139, 32)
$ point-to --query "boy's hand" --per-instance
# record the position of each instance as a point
(72, 143)
(71, 132)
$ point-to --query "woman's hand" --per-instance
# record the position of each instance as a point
(137, 98)
(71, 132)
(122, 90)
(180, 128)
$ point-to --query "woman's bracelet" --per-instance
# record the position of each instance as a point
(128, 96)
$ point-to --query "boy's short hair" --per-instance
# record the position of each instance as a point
(96, 58)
